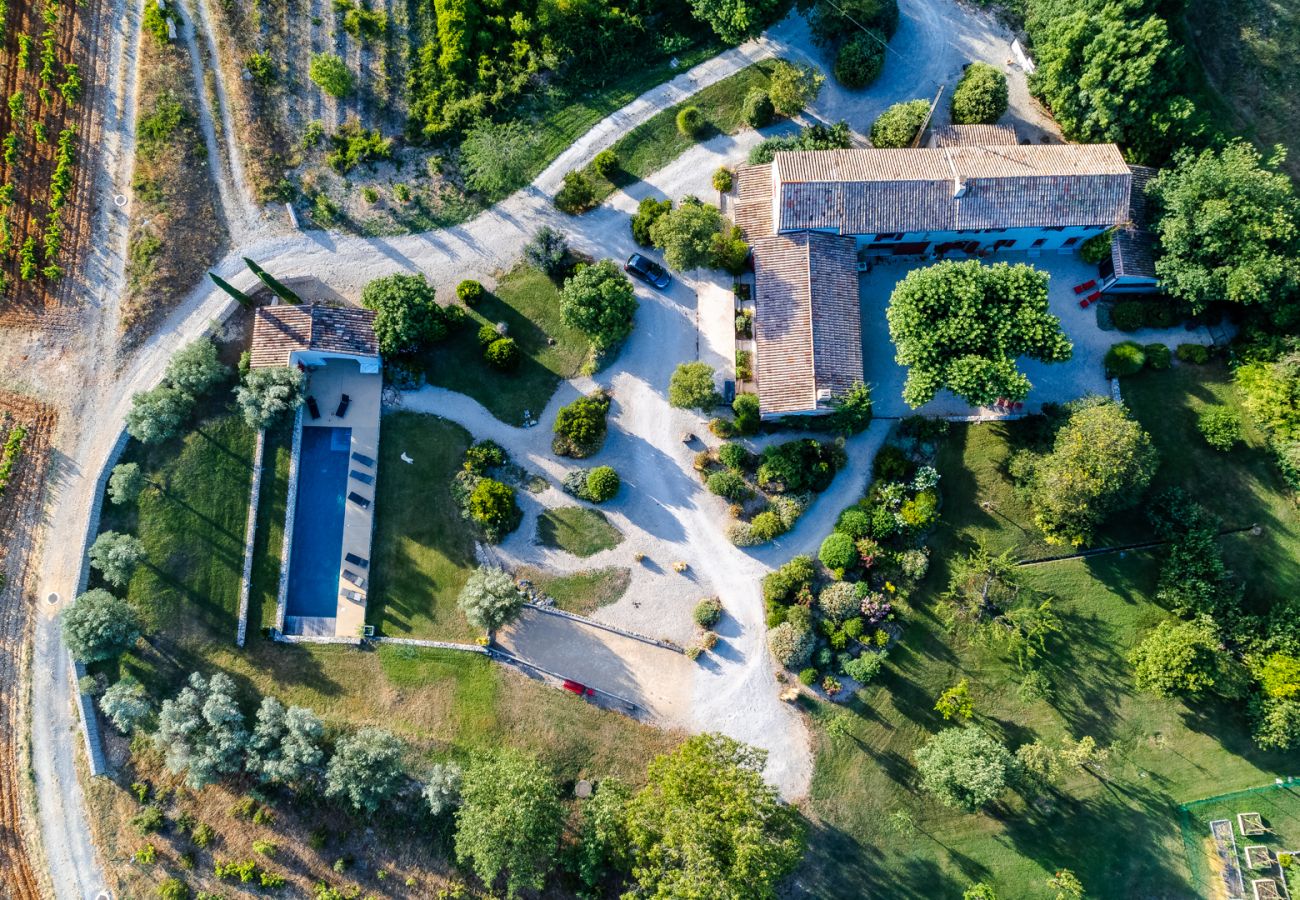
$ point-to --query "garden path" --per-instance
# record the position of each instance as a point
(94, 386)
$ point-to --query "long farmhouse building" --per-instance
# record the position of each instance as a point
(815, 217)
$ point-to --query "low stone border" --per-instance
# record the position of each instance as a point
(552, 611)
(313, 639)
(436, 645)
(290, 505)
(90, 733)
(250, 535)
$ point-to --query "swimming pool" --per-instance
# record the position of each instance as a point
(318, 522)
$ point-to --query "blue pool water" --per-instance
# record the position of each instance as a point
(318, 522)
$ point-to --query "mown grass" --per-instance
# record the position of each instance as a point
(423, 550)
(876, 834)
(655, 143)
(528, 302)
(577, 530)
(581, 592)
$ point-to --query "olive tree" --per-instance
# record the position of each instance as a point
(125, 483)
(490, 598)
(285, 746)
(510, 820)
(366, 769)
(266, 394)
(442, 788)
(158, 414)
(201, 731)
(196, 368)
(116, 556)
(99, 626)
(964, 767)
(962, 326)
(125, 704)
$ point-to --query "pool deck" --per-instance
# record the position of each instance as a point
(328, 384)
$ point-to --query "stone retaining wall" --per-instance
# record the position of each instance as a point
(250, 536)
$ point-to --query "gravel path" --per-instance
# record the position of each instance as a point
(735, 692)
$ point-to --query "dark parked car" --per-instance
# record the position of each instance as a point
(648, 271)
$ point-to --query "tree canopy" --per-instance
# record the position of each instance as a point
(99, 626)
(897, 126)
(964, 767)
(696, 235)
(691, 387)
(266, 394)
(490, 598)
(737, 20)
(707, 825)
(407, 315)
(366, 769)
(201, 731)
(599, 300)
(116, 556)
(285, 745)
(509, 821)
(961, 326)
(980, 97)
(1229, 229)
(1181, 659)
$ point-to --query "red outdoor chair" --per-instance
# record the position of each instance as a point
(1094, 296)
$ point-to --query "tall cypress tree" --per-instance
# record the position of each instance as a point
(273, 283)
(230, 289)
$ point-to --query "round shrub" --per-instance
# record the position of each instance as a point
(838, 601)
(602, 484)
(1196, 354)
(980, 98)
(897, 126)
(469, 291)
(577, 195)
(1162, 313)
(1129, 315)
(488, 334)
(757, 109)
(767, 526)
(729, 486)
(859, 61)
(854, 522)
(707, 612)
(723, 179)
(837, 552)
(808, 676)
(1220, 427)
(1159, 356)
(791, 646)
(734, 456)
(605, 163)
(690, 121)
(723, 428)
(891, 464)
(502, 353)
(1126, 358)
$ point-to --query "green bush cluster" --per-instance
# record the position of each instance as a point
(897, 126)
(1125, 358)
(483, 499)
(1152, 312)
(577, 195)
(1220, 427)
(580, 426)
(1196, 354)
(980, 97)
(859, 61)
(690, 122)
(757, 109)
(470, 292)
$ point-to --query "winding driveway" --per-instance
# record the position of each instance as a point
(734, 692)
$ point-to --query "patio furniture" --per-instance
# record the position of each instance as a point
(362, 477)
(578, 688)
(360, 501)
(1094, 296)
(353, 578)
(1083, 304)
(364, 460)
(357, 561)
(343, 407)
(313, 408)
(1086, 286)
(354, 596)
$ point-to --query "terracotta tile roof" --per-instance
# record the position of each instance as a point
(1132, 247)
(281, 330)
(869, 191)
(807, 321)
(754, 200)
(973, 136)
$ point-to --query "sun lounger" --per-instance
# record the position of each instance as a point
(362, 477)
(364, 460)
(312, 408)
(1094, 296)
(353, 559)
(353, 578)
(354, 596)
(360, 501)
(343, 406)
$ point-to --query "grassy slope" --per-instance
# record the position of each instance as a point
(578, 530)
(582, 592)
(528, 302)
(423, 550)
(1121, 835)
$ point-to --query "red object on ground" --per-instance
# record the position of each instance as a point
(1083, 304)
(575, 687)
(1094, 296)
(1086, 286)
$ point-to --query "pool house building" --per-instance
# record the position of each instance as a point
(329, 518)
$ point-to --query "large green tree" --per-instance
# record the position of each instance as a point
(736, 20)
(961, 326)
(407, 315)
(599, 300)
(99, 626)
(964, 767)
(509, 821)
(1101, 462)
(686, 235)
(981, 96)
(268, 393)
(1111, 73)
(496, 156)
(707, 825)
(201, 731)
(1229, 229)
(1182, 659)
(285, 746)
(116, 556)
(490, 599)
(897, 125)
(366, 769)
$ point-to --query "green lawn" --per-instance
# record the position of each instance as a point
(1120, 833)
(423, 550)
(577, 530)
(582, 592)
(529, 303)
(653, 144)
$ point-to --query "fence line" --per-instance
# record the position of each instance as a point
(613, 629)
(250, 537)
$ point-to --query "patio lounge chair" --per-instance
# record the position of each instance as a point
(353, 578)
(357, 561)
(343, 406)
(360, 501)
(354, 596)
(1086, 286)
(1094, 296)
(364, 460)
(313, 408)
(362, 477)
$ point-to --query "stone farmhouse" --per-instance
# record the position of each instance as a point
(816, 218)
